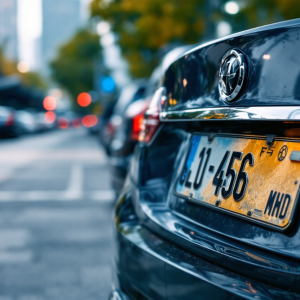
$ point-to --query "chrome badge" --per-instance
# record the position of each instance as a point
(232, 75)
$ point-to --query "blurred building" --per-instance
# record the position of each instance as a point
(61, 19)
(9, 28)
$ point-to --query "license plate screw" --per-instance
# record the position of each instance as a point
(191, 195)
(249, 213)
(218, 202)
(296, 182)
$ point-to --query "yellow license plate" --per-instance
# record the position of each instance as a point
(243, 176)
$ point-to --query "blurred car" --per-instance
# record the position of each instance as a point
(27, 121)
(67, 119)
(210, 206)
(9, 127)
(42, 123)
(127, 135)
(131, 93)
(104, 118)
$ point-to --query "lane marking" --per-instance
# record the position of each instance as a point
(101, 196)
(74, 190)
(23, 256)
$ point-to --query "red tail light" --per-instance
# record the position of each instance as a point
(151, 120)
(10, 120)
(135, 113)
(136, 126)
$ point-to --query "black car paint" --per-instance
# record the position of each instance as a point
(267, 82)
(150, 267)
(240, 259)
(121, 155)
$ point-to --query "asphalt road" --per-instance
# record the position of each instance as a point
(55, 218)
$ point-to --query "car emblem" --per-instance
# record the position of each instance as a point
(232, 75)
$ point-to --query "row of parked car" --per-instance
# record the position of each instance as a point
(17, 122)
(119, 126)
(14, 123)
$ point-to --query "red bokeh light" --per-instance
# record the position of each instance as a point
(49, 103)
(89, 120)
(50, 117)
(76, 123)
(63, 123)
(84, 99)
(137, 121)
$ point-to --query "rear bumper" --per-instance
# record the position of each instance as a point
(149, 267)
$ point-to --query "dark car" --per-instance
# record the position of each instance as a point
(127, 135)
(132, 92)
(9, 125)
(210, 205)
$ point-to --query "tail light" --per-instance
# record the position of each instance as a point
(135, 112)
(10, 120)
(136, 126)
(151, 120)
(63, 123)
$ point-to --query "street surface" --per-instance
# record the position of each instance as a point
(55, 217)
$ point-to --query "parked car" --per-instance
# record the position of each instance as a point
(67, 119)
(131, 93)
(210, 205)
(127, 135)
(9, 127)
(27, 121)
(104, 119)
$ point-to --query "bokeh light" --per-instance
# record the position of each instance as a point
(84, 99)
(50, 117)
(232, 7)
(23, 67)
(49, 103)
(63, 123)
(107, 84)
(103, 27)
(266, 56)
(223, 29)
(107, 39)
(76, 123)
(89, 121)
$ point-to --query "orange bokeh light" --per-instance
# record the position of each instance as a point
(49, 103)
(63, 123)
(84, 99)
(89, 120)
(50, 117)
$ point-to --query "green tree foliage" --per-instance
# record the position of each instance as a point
(73, 68)
(144, 26)
(29, 79)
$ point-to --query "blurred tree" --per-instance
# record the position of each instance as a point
(73, 68)
(29, 79)
(144, 26)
